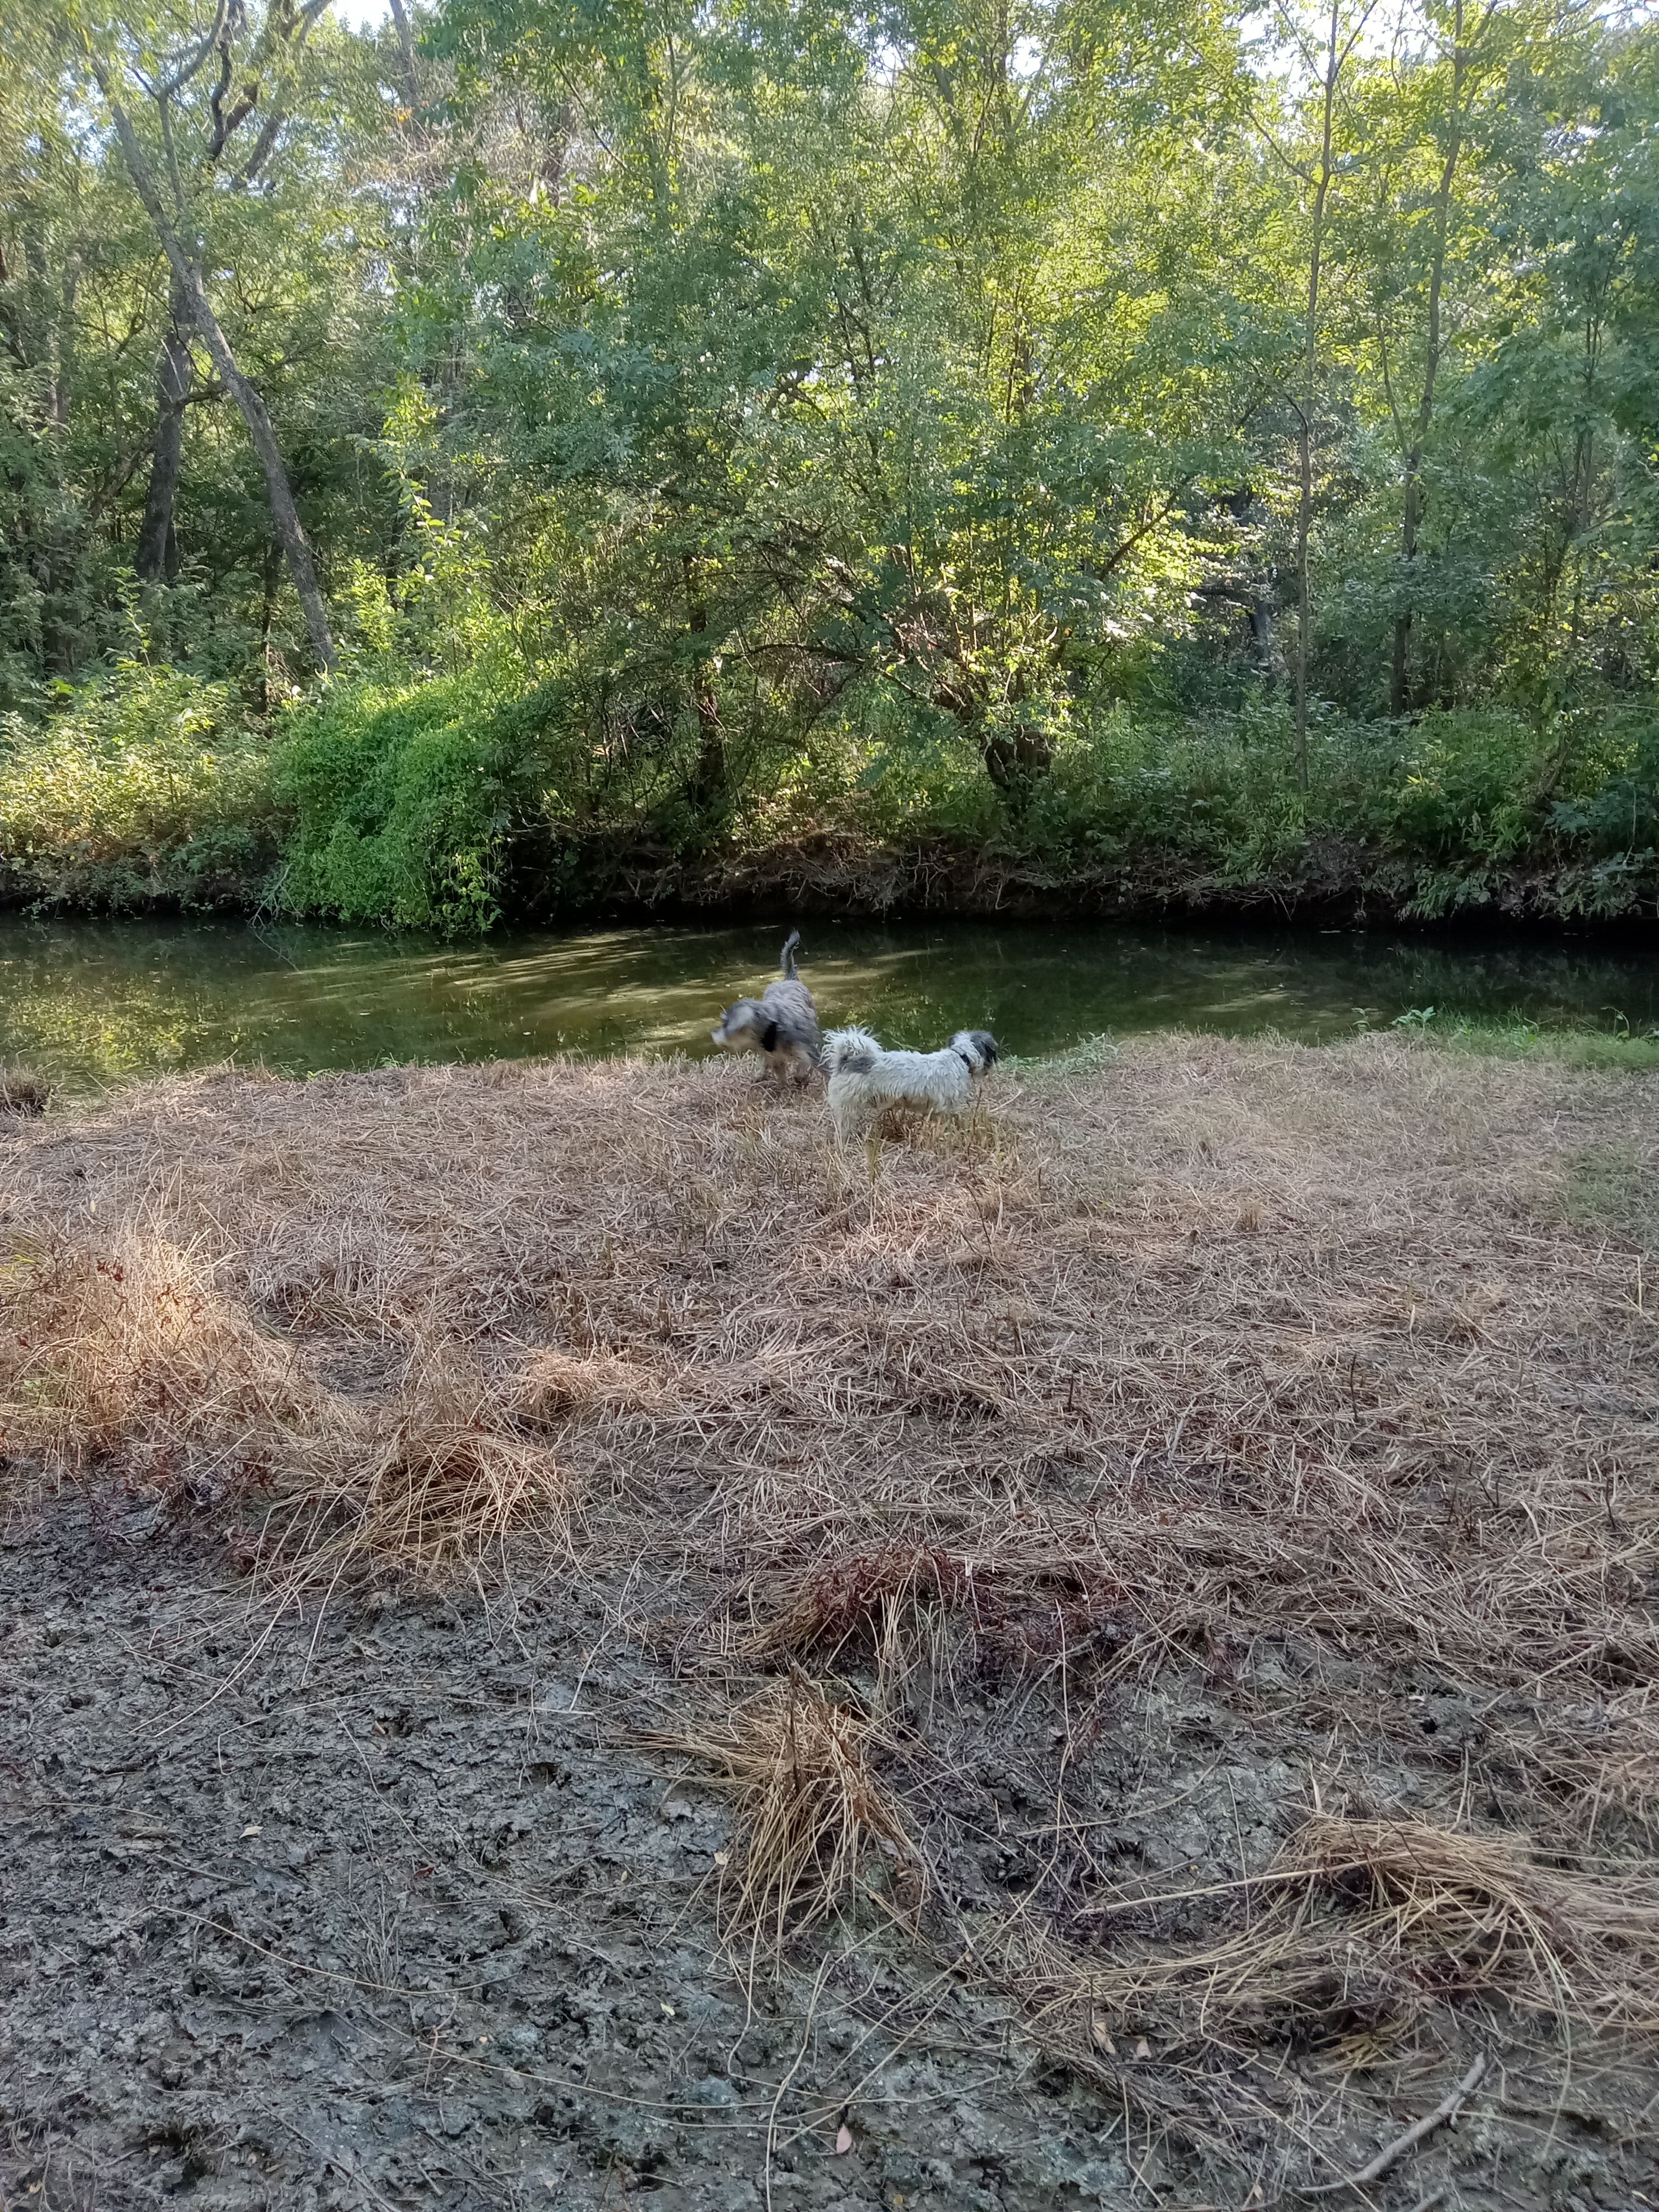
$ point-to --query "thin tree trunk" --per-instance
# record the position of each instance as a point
(1304, 418)
(708, 782)
(1400, 681)
(1336, 58)
(406, 54)
(271, 568)
(284, 514)
(1412, 514)
(1303, 520)
(57, 398)
(156, 560)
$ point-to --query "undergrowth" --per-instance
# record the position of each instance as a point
(147, 789)
(492, 791)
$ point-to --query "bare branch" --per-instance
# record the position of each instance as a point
(171, 87)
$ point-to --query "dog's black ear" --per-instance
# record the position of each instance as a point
(770, 1037)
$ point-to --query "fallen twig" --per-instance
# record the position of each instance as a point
(1414, 2134)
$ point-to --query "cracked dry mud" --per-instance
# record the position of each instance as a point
(379, 1917)
(391, 1914)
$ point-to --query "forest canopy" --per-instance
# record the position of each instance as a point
(508, 452)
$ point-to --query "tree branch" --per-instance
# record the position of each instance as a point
(187, 68)
(1397, 2149)
(284, 514)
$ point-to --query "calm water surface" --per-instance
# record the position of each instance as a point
(95, 1004)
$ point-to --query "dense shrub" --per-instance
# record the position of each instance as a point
(401, 793)
(146, 789)
(449, 801)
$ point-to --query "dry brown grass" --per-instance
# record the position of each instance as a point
(1355, 1931)
(811, 1810)
(869, 1597)
(1293, 1382)
(124, 1355)
(23, 1089)
(131, 1362)
(432, 1480)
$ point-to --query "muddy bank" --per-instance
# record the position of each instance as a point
(1333, 884)
(392, 1913)
(562, 1642)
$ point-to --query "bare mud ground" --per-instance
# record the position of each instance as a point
(563, 1643)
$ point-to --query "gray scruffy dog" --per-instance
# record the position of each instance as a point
(781, 1024)
(864, 1078)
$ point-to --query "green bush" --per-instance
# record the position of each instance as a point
(403, 793)
(1448, 804)
(146, 789)
(1466, 783)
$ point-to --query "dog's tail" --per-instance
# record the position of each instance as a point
(848, 1052)
(788, 962)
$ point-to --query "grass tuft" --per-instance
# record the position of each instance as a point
(810, 1810)
(1356, 1932)
(24, 1090)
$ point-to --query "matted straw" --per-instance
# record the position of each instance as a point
(810, 1810)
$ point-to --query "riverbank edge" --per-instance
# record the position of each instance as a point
(28, 1094)
(1335, 884)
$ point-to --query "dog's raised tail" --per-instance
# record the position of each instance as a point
(850, 1052)
(788, 962)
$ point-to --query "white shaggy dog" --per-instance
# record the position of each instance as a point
(864, 1078)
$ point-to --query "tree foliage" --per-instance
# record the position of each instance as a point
(1051, 423)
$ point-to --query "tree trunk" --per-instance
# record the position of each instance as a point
(1304, 524)
(406, 55)
(1400, 695)
(57, 398)
(271, 568)
(1017, 763)
(284, 514)
(1400, 691)
(1016, 758)
(1261, 632)
(1309, 380)
(157, 557)
(706, 786)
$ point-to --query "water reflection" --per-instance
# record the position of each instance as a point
(102, 1003)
